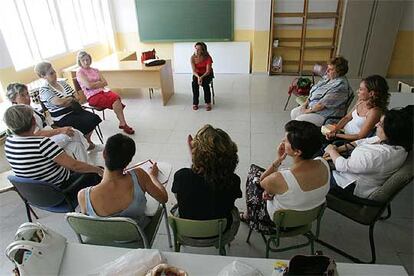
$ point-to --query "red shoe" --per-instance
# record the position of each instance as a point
(195, 107)
(208, 107)
(127, 129)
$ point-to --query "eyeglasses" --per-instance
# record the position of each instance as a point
(381, 124)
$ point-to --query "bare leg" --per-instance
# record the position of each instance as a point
(88, 138)
(119, 112)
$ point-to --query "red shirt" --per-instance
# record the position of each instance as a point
(201, 67)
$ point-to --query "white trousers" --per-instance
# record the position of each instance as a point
(74, 146)
(297, 114)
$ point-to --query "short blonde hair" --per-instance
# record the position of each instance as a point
(42, 68)
(81, 55)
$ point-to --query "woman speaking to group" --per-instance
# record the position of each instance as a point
(201, 62)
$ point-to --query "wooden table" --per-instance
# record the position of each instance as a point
(123, 70)
(84, 259)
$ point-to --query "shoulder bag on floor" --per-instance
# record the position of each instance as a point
(37, 250)
(315, 265)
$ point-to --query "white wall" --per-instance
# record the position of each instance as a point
(262, 15)
(5, 60)
(228, 57)
(125, 19)
(124, 16)
(243, 14)
(407, 20)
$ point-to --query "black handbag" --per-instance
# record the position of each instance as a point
(154, 62)
(76, 106)
(315, 265)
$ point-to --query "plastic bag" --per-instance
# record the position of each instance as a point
(137, 263)
(37, 250)
(237, 268)
(277, 64)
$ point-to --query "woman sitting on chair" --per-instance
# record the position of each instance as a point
(98, 95)
(374, 159)
(201, 64)
(372, 102)
(209, 188)
(122, 194)
(328, 97)
(68, 138)
(39, 158)
(60, 99)
(301, 187)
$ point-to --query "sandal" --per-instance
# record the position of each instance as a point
(243, 218)
(195, 107)
(208, 107)
(127, 129)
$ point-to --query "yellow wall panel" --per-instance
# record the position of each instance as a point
(260, 51)
(402, 61)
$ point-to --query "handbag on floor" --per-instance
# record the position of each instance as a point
(315, 265)
(37, 250)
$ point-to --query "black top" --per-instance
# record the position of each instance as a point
(197, 200)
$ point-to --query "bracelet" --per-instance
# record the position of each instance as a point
(276, 165)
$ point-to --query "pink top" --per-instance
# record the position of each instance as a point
(92, 75)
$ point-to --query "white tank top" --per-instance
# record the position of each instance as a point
(297, 199)
(354, 126)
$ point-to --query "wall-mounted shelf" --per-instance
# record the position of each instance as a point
(302, 47)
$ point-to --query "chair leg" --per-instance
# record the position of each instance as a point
(267, 247)
(99, 133)
(352, 258)
(388, 215)
(103, 114)
(31, 211)
(287, 101)
(372, 243)
(212, 92)
(167, 226)
(222, 251)
(29, 216)
(248, 236)
(177, 247)
(312, 247)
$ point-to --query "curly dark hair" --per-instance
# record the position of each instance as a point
(304, 136)
(341, 65)
(380, 87)
(214, 156)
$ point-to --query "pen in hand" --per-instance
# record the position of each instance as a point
(158, 168)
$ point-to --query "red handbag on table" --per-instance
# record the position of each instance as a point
(147, 55)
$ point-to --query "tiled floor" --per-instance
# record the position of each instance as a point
(250, 109)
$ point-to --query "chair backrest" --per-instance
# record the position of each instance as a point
(76, 84)
(36, 192)
(349, 100)
(107, 231)
(197, 228)
(292, 218)
(79, 92)
(396, 182)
